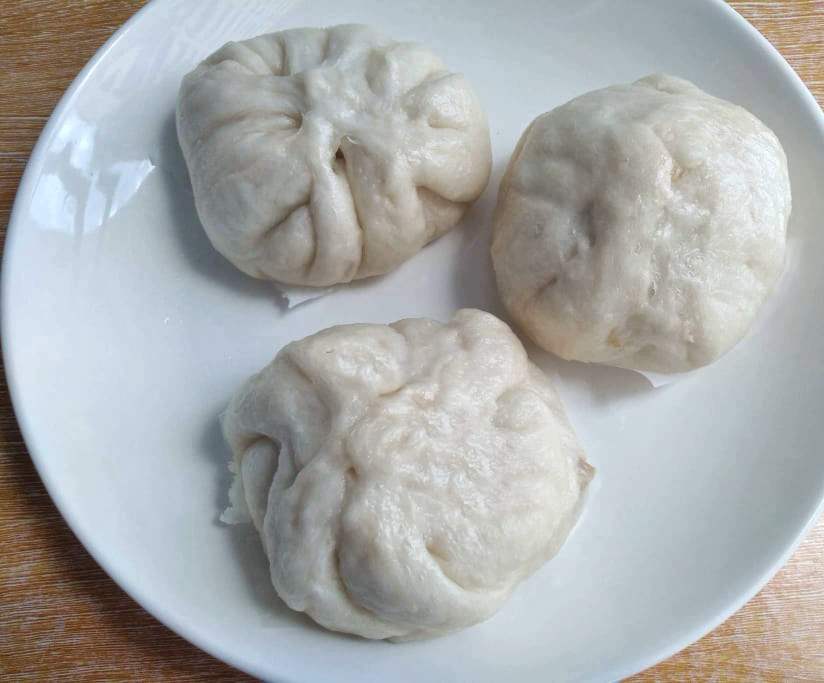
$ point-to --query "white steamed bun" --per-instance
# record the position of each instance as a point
(405, 478)
(319, 156)
(642, 226)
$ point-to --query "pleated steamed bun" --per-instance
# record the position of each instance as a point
(320, 156)
(404, 478)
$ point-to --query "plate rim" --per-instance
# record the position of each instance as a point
(144, 598)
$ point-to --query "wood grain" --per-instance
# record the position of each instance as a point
(62, 618)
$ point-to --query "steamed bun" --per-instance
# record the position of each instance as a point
(405, 478)
(642, 226)
(319, 156)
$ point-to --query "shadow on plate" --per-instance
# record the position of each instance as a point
(603, 383)
(473, 277)
(192, 240)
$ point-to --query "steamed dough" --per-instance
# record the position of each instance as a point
(642, 226)
(405, 478)
(319, 156)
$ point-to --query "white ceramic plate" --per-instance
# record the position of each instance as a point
(124, 335)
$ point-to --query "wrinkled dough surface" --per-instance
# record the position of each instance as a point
(405, 478)
(642, 226)
(318, 156)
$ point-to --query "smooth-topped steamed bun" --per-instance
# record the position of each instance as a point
(405, 478)
(642, 226)
(319, 156)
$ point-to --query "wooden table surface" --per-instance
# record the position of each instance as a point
(62, 618)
